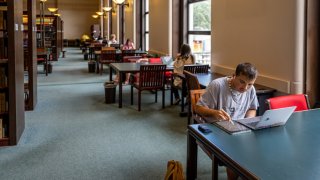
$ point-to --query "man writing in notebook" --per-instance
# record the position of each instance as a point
(230, 98)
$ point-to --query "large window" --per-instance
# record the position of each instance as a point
(199, 29)
(146, 25)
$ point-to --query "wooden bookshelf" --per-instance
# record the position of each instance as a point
(12, 116)
(53, 35)
(30, 54)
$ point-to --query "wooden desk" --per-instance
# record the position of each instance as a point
(285, 152)
(122, 69)
(118, 56)
(263, 92)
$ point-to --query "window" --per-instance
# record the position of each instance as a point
(146, 25)
(199, 29)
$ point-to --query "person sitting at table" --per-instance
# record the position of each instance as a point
(113, 39)
(184, 58)
(105, 41)
(128, 45)
(231, 98)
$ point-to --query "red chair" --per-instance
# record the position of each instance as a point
(299, 100)
(155, 61)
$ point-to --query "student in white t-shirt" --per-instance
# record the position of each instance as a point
(230, 98)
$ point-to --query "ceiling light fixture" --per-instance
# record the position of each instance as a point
(99, 13)
(118, 1)
(52, 10)
(107, 8)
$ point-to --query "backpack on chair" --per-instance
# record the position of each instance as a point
(174, 171)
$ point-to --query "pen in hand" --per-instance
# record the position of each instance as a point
(227, 116)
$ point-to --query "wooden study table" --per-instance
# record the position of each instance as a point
(118, 56)
(122, 69)
(284, 152)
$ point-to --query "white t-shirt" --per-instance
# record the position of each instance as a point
(219, 96)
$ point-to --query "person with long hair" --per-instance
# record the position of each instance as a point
(128, 45)
(185, 57)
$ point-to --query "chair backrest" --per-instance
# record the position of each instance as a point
(155, 61)
(97, 46)
(152, 76)
(197, 68)
(116, 46)
(108, 55)
(107, 48)
(194, 97)
(131, 58)
(191, 81)
(128, 52)
(299, 100)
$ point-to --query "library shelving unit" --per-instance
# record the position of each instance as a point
(11, 73)
(30, 53)
(52, 34)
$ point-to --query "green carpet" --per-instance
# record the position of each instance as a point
(73, 134)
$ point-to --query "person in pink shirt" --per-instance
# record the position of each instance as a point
(128, 45)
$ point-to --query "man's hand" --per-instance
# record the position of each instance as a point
(220, 115)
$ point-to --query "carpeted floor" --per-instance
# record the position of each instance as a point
(73, 134)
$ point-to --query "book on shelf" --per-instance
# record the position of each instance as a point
(3, 77)
(231, 128)
(3, 103)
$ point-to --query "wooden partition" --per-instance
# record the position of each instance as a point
(12, 77)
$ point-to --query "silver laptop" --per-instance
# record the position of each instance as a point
(270, 118)
(167, 60)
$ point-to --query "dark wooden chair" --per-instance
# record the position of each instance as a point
(107, 57)
(197, 68)
(131, 58)
(42, 58)
(97, 47)
(192, 83)
(193, 68)
(194, 97)
(127, 52)
(151, 77)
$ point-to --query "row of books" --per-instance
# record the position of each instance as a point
(3, 77)
(3, 129)
(3, 103)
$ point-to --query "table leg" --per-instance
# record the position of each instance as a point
(110, 73)
(46, 65)
(120, 89)
(215, 168)
(192, 157)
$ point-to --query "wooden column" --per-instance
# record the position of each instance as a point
(312, 51)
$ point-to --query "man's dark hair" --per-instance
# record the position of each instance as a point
(247, 69)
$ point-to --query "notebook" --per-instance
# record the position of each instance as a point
(270, 118)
